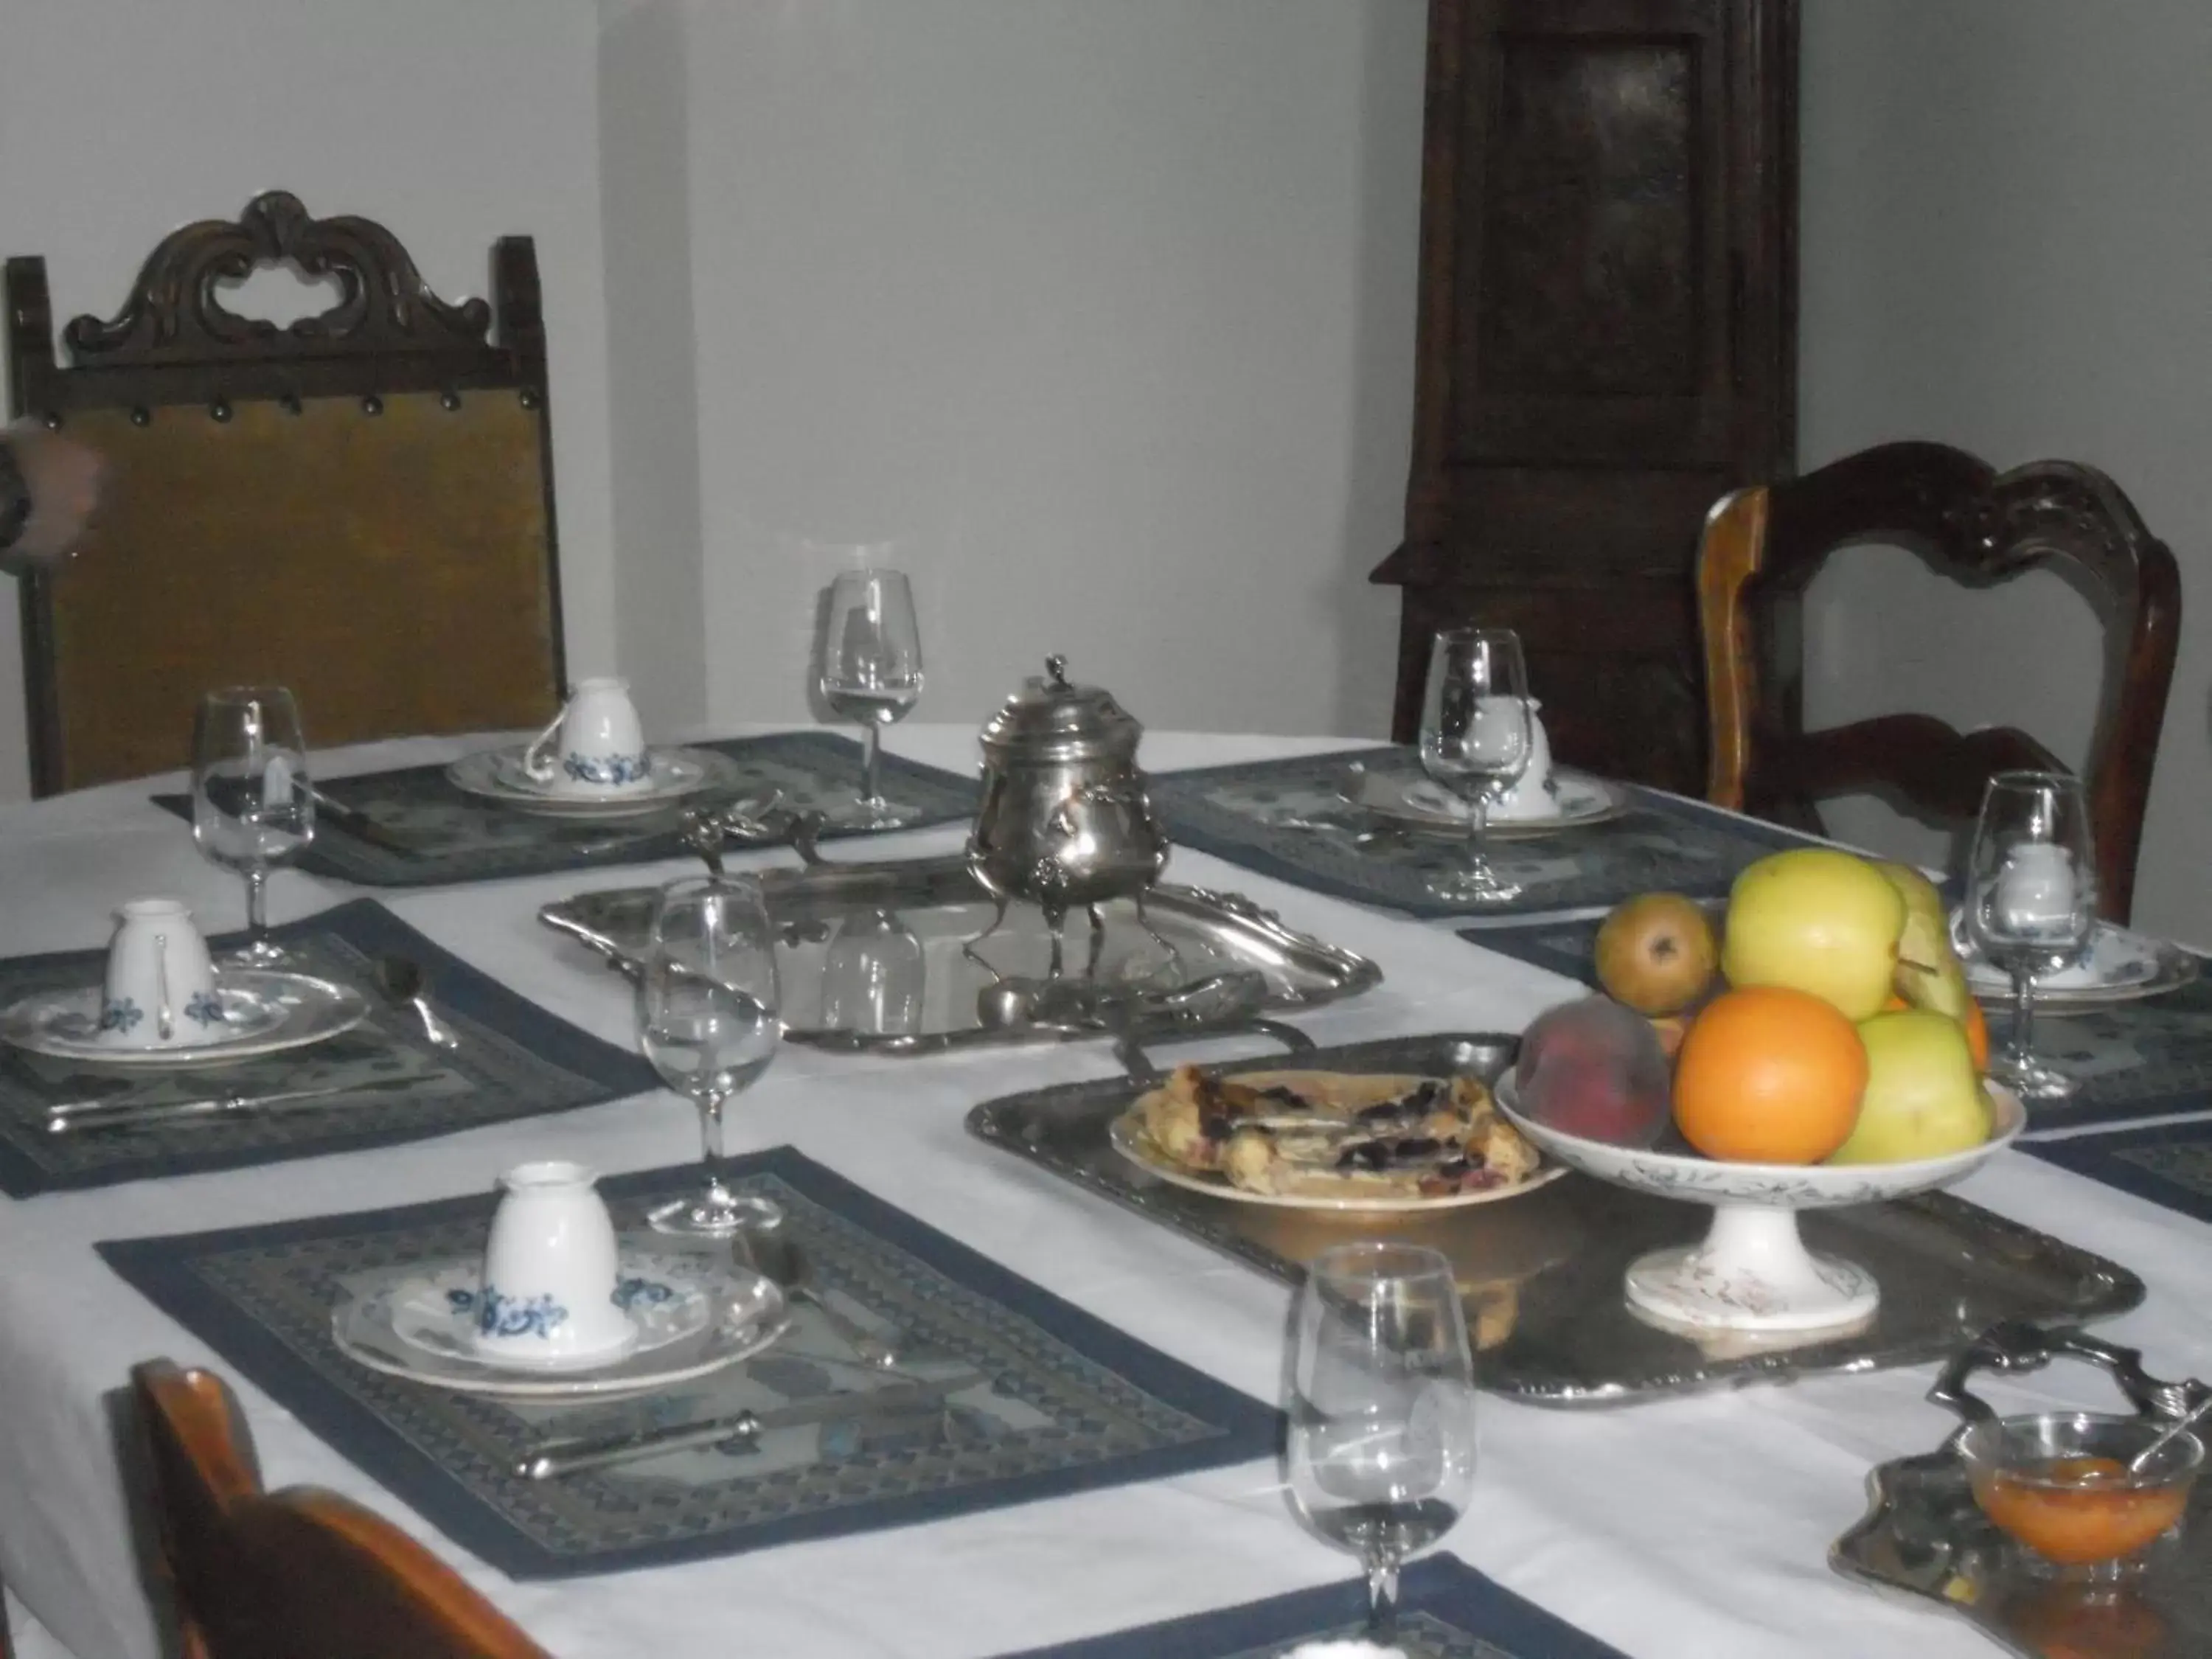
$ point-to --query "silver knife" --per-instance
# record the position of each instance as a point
(365, 827)
(567, 1457)
(79, 1116)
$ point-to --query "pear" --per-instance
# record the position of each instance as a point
(1928, 971)
(1657, 953)
(1923, 1097)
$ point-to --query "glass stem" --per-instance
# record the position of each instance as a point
(1383, 1597)
(870, 764)
(1478, 825)
(257, 907)
(710, 1142)
(2023, 1015)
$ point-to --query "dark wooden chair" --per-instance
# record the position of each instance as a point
(358, 505)
(297, 1574)
(1763, 545)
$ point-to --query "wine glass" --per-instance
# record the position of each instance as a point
(1475, 741)
(1382, 1435)
(873, 976)
(871, 673)
(253, 807)
(2031, 904)
(707, 1019)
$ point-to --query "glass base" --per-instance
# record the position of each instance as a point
(715, 1215)
(1472, 887)
(258, 953)
(2030, 1079)
(878, 814)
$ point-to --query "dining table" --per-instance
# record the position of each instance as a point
(1691, 1527)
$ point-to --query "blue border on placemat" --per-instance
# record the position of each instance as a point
(448, 980)
(1443, 1586)
(160, 1269)
(2098, 1157)
(896, 768)
(1254, 857)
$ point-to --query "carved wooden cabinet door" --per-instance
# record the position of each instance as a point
(1608, 307)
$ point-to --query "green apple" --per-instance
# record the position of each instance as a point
(1923, 1098)
(1815, 920)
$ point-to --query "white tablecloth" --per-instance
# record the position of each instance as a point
(1693, 1529)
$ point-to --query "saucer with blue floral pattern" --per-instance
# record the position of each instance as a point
(265, 1011)
(695, 1313)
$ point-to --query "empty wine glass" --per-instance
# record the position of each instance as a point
(707, 1019)
(871, 673)
(253, 807)
(1475, 742)
(2031, 904)
(873, 976)
(1382, 1434)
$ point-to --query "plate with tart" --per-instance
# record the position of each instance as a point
(1330, 1140)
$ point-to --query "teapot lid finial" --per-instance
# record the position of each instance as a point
(1056, 666)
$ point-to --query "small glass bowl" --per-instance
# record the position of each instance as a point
(2059, 1484)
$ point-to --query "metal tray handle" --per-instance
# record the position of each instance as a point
(1129, 1046)
(2016, 1346)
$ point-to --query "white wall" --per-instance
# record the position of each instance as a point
(1098, 317)
(2007, 244)
(453, 122)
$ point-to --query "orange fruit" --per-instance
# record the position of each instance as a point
(1894, 1004)
(1769, 1075)
(1977, 1035)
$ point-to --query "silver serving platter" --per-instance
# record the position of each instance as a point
(1542, 1275)
(1924, 1536)
(1184, 959)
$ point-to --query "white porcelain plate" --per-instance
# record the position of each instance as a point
(2119, 966)
(496, 774)
(1127, 1136)
(694, 1314)
(1421, 804)
(265, 1011)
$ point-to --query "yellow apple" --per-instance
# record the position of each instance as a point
(1928, 975)
(1816, 919)
(1923, 1097)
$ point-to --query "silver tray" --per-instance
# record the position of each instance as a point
(1186, 959)
(1542, 1271)
(1923, 1534)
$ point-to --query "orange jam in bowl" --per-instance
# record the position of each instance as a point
(2059, 1482)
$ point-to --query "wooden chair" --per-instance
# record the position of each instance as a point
(1763, 545)
(359, 505)
(297, 1574)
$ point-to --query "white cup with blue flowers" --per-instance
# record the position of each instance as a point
(595, 746)
(160, 990)
(550, 1295)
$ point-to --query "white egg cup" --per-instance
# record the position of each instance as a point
(159, 991)
(547, 1298)
(1752, 1272)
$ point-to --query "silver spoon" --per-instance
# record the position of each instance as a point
(2137, 1463)
(782, 1260)
(400, 979)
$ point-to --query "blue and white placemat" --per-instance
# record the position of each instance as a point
(1446, 1610)
(513, 1060)
(433, 835)
(2169, 1164)
(2151, 1057)
(1029, 1397)
(1662, 842)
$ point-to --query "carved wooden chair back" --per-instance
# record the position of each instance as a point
(1762, 548)
(297, 1574)
(358, 505)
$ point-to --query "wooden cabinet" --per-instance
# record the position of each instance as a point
(1607, 345)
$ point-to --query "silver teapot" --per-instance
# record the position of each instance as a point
(1065, 821)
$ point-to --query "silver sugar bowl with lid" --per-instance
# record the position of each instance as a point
(1065, 821)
